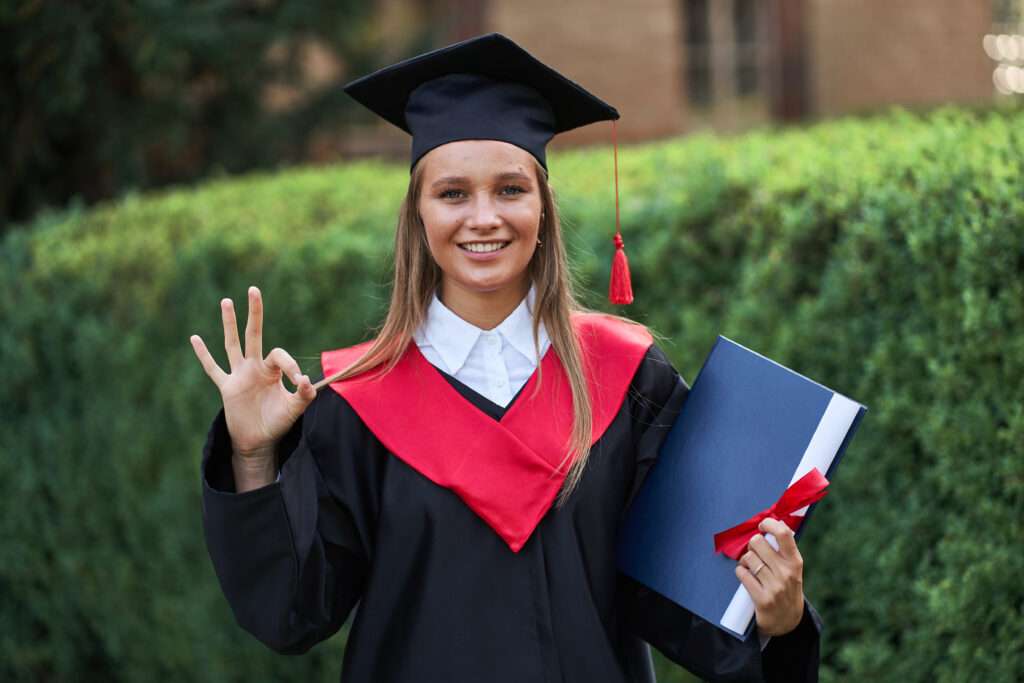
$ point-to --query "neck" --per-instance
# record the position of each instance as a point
(486, 310)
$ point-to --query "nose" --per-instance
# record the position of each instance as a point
(483, 215)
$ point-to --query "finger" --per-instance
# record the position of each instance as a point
(781, 573)
(751, 560)
(231, 345)
(279, 359)
(254, 326)
(784, 536)
(210, 366)
(789, 572)
(750, 582)
(306, 391)
(757, 567)
(765, 551)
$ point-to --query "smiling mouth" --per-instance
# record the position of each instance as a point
(483, 247)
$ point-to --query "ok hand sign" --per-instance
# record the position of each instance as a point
(258, 408)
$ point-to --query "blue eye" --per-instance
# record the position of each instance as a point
(508, 190)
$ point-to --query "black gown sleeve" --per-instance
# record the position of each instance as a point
(656, 396)
(289, 557)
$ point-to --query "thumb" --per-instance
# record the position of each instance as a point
(304, 392)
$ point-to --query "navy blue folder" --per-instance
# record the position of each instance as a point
(748, 428)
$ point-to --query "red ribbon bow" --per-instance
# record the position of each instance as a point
(807, 489)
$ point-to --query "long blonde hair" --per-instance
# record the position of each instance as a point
(417, 276)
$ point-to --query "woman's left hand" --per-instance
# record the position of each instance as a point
(777, 589)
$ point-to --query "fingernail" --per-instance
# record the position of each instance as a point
(296, 377)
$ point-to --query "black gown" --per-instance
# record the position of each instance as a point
(441, 597)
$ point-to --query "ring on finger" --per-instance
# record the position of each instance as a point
(758, 569)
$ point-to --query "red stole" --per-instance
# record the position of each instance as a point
(505, 471)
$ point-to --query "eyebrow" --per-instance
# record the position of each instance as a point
(455, 180)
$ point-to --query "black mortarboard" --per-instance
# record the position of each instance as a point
(487, 88)
(484, 88)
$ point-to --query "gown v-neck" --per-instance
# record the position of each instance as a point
(478, 400)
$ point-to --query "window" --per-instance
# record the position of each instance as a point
(697, 31)
(745, 31)
(725, 46)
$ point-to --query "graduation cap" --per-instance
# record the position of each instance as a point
(489, 88)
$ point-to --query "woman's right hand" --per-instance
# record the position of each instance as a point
(258, 408)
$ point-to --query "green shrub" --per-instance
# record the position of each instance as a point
(883, 257)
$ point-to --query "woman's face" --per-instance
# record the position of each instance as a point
(481, 205)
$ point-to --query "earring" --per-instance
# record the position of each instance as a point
(539, 242)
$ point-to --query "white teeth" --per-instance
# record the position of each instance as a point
(483, 247)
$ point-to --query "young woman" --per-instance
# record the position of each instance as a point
(462, 476)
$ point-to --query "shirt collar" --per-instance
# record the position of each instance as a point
(517, 328)
(453, 338)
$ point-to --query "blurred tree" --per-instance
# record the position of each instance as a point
(109, 96)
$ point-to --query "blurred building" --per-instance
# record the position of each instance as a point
(1005, 47)
(674, 66)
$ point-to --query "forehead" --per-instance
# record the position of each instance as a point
(476, 159)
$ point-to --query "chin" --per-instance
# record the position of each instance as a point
(483, 279)
(487, 285)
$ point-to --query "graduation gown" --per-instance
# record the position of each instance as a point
(446, 590)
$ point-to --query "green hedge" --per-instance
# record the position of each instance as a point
(884, 257)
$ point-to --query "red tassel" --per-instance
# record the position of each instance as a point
(620, 285)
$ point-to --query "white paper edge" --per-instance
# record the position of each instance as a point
(821, 450)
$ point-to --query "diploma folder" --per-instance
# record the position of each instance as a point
(748, 428)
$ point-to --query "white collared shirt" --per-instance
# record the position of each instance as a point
(495, 363)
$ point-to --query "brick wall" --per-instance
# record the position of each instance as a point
(864, 54)
(628, 54)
